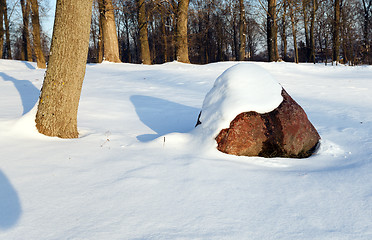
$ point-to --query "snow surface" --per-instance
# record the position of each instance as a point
(241, 88)
(140, 170)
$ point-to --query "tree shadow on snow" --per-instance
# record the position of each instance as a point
(10, 207)
(163, 116)
(29, 65)
(28, 92)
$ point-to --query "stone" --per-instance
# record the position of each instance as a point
(284, 132)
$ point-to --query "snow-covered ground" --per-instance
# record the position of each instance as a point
(141, 171)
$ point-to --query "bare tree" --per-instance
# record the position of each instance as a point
(108, 31)
(272, 32)
(40, 59)
(182, 52)
(26, 54)
(2, 9)
(7, 32)
(367, 11)
(242, 35)
(59, 100)
(336, 31)
(143, 33)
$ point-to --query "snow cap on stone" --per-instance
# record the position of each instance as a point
(243, 87)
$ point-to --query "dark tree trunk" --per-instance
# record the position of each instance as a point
(336, 31)
(284, 32)
(241, 31)
(143, 34)
(26, 54)
(7, 32)
(2, 9)
(272, 44)
(312, 25)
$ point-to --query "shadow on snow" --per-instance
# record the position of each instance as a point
(10, 207)
(163, 116)
(28, 92)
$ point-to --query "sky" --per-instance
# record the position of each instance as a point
(48, 21)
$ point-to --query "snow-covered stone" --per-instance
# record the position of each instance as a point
(263, 119)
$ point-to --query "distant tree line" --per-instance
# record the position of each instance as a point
(203, 31)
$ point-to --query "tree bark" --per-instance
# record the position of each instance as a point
(182, 51)
(40, 59)
(366, 31)
(284, 33)
(241, 31)
(110, 38)
(305, 4)
(294, 32)
(2, 9)
(165, 40)
(272, 44)
(27, 51)
(59, 100)
(7, 32)
(336, 31)
(100, 34)
(143, 34)
(312, 25)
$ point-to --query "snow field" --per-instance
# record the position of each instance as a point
(140, 170)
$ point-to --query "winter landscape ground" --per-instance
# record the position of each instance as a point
(140, 170)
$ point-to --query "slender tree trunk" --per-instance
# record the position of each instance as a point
(40, 59)
(2, 9)
(164, 33)
(110, 38)
(336, 31)
(241, 31)
(294, 32)
(7, 32)
(128, 52)
(284, 33)
(312, 25)
(143, 34)
(182, 51)
(305, 4)
(100, 33)
(366, 31)
(272, 43)
(27, 52)
(59, 100)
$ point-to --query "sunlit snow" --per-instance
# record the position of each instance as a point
(141, 170)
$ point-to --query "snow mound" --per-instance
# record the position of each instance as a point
(243, 87)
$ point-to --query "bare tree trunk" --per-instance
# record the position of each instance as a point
(100, 33)
(241, 31)
(40, 59)
(7, 32)
(143, 34)
(305, 4)
(336, 31)
(164, 33)
(294, 32)
(272, 43)
(2, 9)
(366, 31)
(110, 38)
(182, 51)
(59, 100)
(284, 33)
(27, 52)
(312, 25)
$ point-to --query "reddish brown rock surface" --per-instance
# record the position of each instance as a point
(283, 132)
